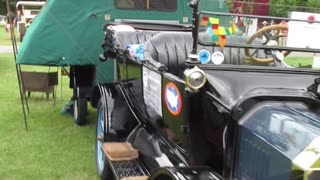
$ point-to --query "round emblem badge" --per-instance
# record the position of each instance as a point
(204, 56)
(217, 57)
(172, 98)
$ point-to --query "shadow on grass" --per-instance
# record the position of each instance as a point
(37, 100)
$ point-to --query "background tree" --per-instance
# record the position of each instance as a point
(3, 6)
(282, 8)
(314, 6)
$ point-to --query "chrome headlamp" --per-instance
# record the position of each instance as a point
(195, 78)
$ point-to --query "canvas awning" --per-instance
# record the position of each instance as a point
(63, 36)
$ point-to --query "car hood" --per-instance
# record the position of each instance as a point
(232, 85)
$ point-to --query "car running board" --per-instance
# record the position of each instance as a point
(124, 160)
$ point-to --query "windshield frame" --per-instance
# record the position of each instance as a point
(252, 46)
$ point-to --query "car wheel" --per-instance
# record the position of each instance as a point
(80, 111)
(102, 129)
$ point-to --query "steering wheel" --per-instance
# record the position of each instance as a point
(265, 32)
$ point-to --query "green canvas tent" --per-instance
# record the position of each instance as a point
(64, 33)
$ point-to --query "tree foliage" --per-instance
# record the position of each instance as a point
(12, 3)
(282, 8)
(3, 6)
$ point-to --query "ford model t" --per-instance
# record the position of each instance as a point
(212, 103)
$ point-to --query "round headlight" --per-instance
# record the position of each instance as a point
(195, 78)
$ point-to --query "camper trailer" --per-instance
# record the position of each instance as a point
(26, 12)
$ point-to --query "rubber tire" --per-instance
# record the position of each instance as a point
(103, 169)
(80, 109)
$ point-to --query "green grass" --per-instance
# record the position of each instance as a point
(299, 61)
(54, 147)
(5, 38)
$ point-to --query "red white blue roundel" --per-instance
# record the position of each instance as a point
(172, 98)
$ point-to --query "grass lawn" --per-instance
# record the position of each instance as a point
(5, 38)
(55, 147)
(299, 61)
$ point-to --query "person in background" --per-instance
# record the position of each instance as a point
(283, 34)
(8, 22)
(241, 25)
(272, 22)
(263, 36)
(19, 12)
(264, 24)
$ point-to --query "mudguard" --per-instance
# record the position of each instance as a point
(123, 119)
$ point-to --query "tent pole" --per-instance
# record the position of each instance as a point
(15, 46)
(18, 67)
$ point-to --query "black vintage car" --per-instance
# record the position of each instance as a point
(210, 103)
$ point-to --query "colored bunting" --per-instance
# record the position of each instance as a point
(209, 31)
(215, 26)
(234, 28)
(221, 42)
(222, 31)
(214, 20)
(228, 32)
(215, 38)
(204, 21)
(218, 33)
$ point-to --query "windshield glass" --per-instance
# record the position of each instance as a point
(258, 37)
(289, 127)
